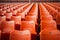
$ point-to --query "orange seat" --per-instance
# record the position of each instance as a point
(2, 12)
(7, 26)
(8, 10)
(31, 18)
(22, 15)
(47, 18)
(14, 12)
(48, 24)
(8, 15)
(2, 18)
(11, 9)
(44, 13)
(28, 25)
(50, 35)
(20, 35)
(16, 19)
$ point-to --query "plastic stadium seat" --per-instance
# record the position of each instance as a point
(8, 15)
(50, 35)
(48, 24)
(44, 13)
(2, 18)
(7, 26)
(28, 25)
(14, 12)
(31, 18)
(11, 9)
(17, 20)
(46, 18)
(8, 10)
(20, 35)
(22, 15)
(2, 12)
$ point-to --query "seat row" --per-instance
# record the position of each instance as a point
(48, 27)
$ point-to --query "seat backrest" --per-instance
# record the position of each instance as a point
(20, 35)
(16, 19)
(50, 35)
(48, 24)
(28, 25)
(7, 26)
